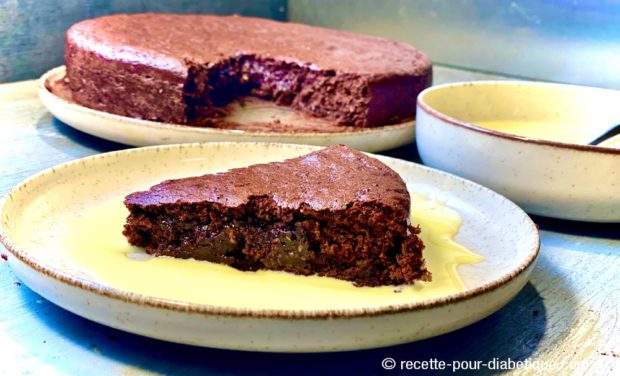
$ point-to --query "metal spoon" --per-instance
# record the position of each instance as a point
(607, 135)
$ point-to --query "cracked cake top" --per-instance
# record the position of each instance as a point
(346, 176)
(171, 41)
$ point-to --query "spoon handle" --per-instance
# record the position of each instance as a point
(607, 135)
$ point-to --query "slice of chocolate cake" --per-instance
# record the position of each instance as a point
(335, 212)
(185, 68)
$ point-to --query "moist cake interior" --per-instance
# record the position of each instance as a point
(260, 235)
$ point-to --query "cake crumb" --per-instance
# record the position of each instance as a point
(5, 257)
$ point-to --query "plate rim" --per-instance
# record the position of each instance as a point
(45, 92)
(288, 314)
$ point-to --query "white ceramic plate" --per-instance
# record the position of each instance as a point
(252, 119)
(41, 212)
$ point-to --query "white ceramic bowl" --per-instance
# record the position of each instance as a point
(549, 178)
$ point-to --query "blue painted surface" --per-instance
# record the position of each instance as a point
(32, 31)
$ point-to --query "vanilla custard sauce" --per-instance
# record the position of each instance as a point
(96, 246)
(546, 130)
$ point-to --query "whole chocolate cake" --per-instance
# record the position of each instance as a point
(185, 68)
(335, 212)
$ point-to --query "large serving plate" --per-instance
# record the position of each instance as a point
(253, 120)
(40, 215)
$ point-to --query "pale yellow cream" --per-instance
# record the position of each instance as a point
(95, 245)
(546, 130)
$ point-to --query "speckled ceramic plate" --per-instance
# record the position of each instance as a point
(54, 219)
(253, 121)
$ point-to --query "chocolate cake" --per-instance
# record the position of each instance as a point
(185, 68)
(335, 212)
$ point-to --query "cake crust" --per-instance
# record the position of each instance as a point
(335, 212)
(183, 68)
(330, 179)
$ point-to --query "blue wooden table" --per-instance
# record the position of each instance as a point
(567, 318)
